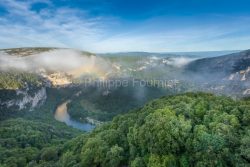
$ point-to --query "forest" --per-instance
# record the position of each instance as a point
(191, 129)
(124, 83)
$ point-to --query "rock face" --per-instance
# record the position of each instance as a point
(25, 100)
(58, 79)
(242, 75)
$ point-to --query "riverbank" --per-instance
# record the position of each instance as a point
(61, 114)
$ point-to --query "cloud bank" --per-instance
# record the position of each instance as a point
(69, 61)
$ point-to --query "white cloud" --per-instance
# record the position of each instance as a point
(58, 27)
(74, 28)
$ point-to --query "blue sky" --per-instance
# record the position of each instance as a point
(126, 25)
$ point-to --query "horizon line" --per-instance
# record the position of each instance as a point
(135, 51)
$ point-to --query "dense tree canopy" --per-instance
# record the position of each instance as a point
(193, 129)
(25, 142)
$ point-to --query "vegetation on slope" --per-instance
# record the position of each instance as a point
(183, 130)
(34, 138)
(24, 142)
(193, 129)
(26, 51)
(18, 80)
(226, 64)
(103, 103)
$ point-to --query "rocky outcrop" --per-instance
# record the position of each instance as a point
(26, 100)
(242, 75)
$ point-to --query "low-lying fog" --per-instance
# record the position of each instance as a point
(76, 63)
(60, 60)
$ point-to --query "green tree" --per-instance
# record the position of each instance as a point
(49, 154)
(114, 156)
(68, 160)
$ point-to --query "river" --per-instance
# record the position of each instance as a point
(62, 115)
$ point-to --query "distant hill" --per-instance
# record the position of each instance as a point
(200, 54)
(138, 54)
(203, 54)
(223, 64)
(27, 51)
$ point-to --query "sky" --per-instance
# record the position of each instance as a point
(126, 25)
